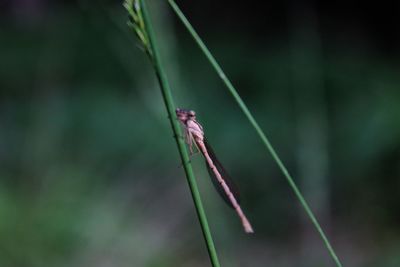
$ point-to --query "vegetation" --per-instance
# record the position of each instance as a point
(90, 175)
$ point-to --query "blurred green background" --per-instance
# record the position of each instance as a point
(89, 170)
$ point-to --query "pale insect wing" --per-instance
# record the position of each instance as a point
(228, 180)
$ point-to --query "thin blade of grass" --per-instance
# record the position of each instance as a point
(169, 103)
(258, 129)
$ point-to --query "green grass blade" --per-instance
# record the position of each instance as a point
(258, 129)
(169, 103)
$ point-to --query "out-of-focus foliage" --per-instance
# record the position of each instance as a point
(90, 175)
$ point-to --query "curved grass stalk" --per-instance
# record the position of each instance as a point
(258, 129)
(140, 22)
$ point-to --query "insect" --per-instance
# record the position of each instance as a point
(194, 135)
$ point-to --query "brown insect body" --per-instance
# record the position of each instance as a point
(194, 134)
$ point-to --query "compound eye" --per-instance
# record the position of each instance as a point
(192, 113)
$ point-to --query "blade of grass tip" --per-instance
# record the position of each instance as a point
(168, 100)
(258, 129)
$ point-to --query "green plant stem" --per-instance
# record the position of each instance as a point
(169, 103)
(258, 129)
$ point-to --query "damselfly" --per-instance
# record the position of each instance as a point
(194, 135)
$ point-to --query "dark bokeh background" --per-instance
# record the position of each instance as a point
(90, 173)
